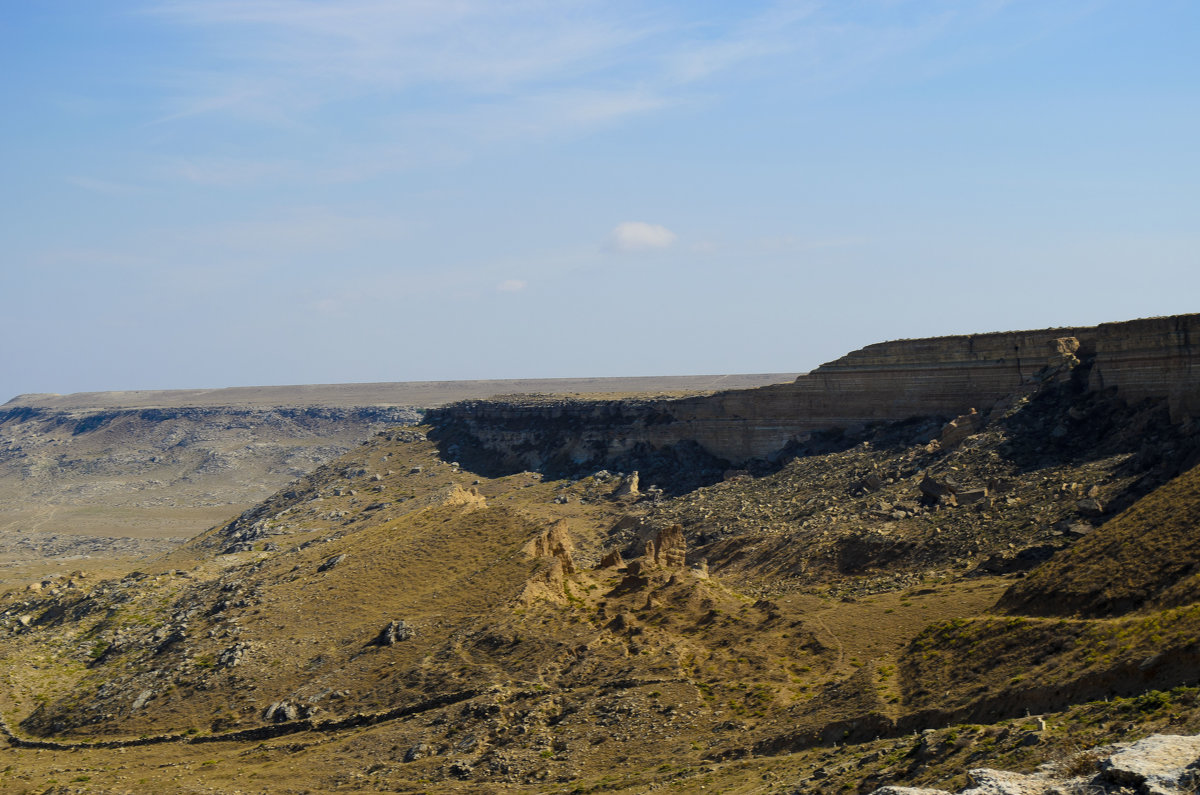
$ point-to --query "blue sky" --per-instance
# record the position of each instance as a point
(208, 193)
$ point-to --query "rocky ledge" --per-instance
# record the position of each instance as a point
(1162, 764)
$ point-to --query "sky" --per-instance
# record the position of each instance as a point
(211, 193)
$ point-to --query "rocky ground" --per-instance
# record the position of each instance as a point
(102, 480)
(838, 620)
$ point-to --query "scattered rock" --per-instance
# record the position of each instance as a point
(461, 769)
(418, 751)
(232, 656)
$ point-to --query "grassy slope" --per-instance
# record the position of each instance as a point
(1147, 556)
(570, 688)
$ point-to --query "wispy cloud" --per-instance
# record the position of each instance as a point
(313, 52)
(634, 236)
(456, 76)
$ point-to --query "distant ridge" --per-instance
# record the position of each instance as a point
(402, 393)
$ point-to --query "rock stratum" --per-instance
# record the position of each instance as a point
(1151, 359)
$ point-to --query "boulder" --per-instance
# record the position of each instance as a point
(141, 700)
(281, 712)
(331, 562)
(971, 496)
(1157, 765)
(612, 560)
(394, 632)
(959, 428)
(628, 487)
(940, 491)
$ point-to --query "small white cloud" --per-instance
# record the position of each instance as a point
(510, 286)
(631, 236)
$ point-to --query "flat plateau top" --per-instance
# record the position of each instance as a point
(422, 394)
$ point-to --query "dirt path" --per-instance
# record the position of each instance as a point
(841, 650)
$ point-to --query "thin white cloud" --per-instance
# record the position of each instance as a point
(319, 51)
(451, 77)
(510, 286)
(635, 236)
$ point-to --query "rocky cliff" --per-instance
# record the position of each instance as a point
(1156, 358)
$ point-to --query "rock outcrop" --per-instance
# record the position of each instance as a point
(554, 547)
(1158, 765)
(554, 543)
(668, 549)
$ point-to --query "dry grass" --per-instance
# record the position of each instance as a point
(1146, 556)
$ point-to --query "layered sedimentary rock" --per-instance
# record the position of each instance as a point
(1155, 358)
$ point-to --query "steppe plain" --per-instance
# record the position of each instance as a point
(98, 480)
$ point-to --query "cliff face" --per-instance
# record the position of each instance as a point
(945, 376)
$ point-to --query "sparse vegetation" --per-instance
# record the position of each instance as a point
(825, 619)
